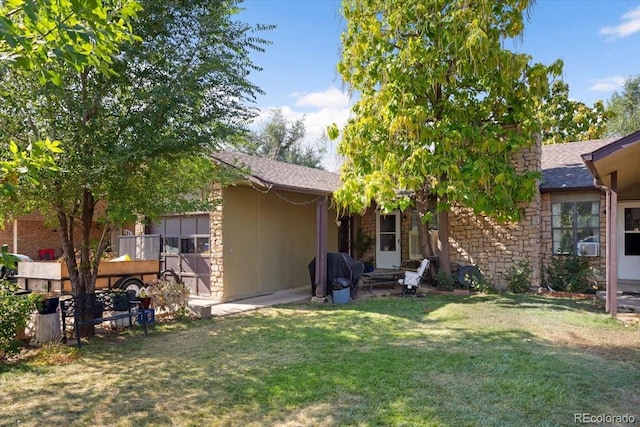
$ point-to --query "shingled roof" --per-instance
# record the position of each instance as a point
(563, 168)
(285, 176)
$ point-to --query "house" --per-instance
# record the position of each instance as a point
(262, 235)
(273, 222)
(613, 167)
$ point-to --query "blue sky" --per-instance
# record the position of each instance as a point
(599, 41)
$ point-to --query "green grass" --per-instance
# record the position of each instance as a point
(495, 360)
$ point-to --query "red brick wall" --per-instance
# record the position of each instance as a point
(33, 235)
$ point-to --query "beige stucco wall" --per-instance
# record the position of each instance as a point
(267, 240)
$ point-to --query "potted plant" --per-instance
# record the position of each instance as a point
(46, 302)
(144, 298)
(363, 244)
(120, 301)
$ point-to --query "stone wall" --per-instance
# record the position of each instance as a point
(495, 247)
(217, 246)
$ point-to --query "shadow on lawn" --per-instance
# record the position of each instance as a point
(366, 365)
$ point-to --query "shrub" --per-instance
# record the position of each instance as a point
(444, 281)
(518, 277)
(571, 273)
(14, 313)
(483, 284)
(169, 296)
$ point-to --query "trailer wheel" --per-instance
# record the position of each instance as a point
(131, 284)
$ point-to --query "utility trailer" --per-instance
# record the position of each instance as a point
(53, 276)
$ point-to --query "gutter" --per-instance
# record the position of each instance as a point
(611, 302)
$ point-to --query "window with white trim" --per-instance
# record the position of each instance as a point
(576, 227)
(415, 251)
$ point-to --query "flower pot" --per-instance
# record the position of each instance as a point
(145, 302)
(48, 305)
(120, 301)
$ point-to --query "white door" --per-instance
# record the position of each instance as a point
(629, 240)
(388, 251)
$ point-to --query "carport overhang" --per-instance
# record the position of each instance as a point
(616, 171)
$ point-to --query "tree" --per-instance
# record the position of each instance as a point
(35, 34)
(443, 107)
(281, 140)
(566, 120)
(624, 108)
(137, 138)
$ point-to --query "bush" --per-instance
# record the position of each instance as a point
(518, 277)
(483, 283)
(571, 273)
(14, 313)
(169, 296)
(444, 281)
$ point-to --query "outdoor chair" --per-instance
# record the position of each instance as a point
(411, 281)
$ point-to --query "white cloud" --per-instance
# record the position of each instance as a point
(330, 98)
(320, 110)
(629, 25)
(607, 84)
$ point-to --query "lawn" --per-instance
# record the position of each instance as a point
(495, 360)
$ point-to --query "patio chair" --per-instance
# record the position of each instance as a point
(411, 280)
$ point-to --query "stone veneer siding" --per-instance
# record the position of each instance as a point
(496, 247)
(216, 246)
(482, 241)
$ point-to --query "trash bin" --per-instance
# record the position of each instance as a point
(341, 291)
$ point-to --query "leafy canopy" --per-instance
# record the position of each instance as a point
(137, 125)
(567, 120)
(282, 140)
(34, 35)
(624, 108)
(443, 106)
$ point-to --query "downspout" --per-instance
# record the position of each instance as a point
(15, 236)
(609, 298)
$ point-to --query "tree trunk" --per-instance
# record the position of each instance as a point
(422, 207)
(444, 259)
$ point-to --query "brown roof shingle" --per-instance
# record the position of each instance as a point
(562, 165)
(283, 175)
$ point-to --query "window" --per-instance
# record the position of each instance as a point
(632, 231)
(415, 250)
(433, 222)
(576, 227)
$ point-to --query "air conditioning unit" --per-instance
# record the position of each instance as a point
(414, 245)
(588, 248)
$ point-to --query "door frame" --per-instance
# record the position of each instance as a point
(628, 265)
(388, 258)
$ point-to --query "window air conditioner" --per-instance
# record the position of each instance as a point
(414, 245)
(588, 248)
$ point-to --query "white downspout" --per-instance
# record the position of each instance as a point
(609, 298)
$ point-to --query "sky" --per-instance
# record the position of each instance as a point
(598, 40)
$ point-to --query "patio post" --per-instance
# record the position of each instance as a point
(322, 214)
(612, 288)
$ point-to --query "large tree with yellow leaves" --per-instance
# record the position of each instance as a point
(443, 107)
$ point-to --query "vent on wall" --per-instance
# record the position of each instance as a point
(588, 248)
(414, 245)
